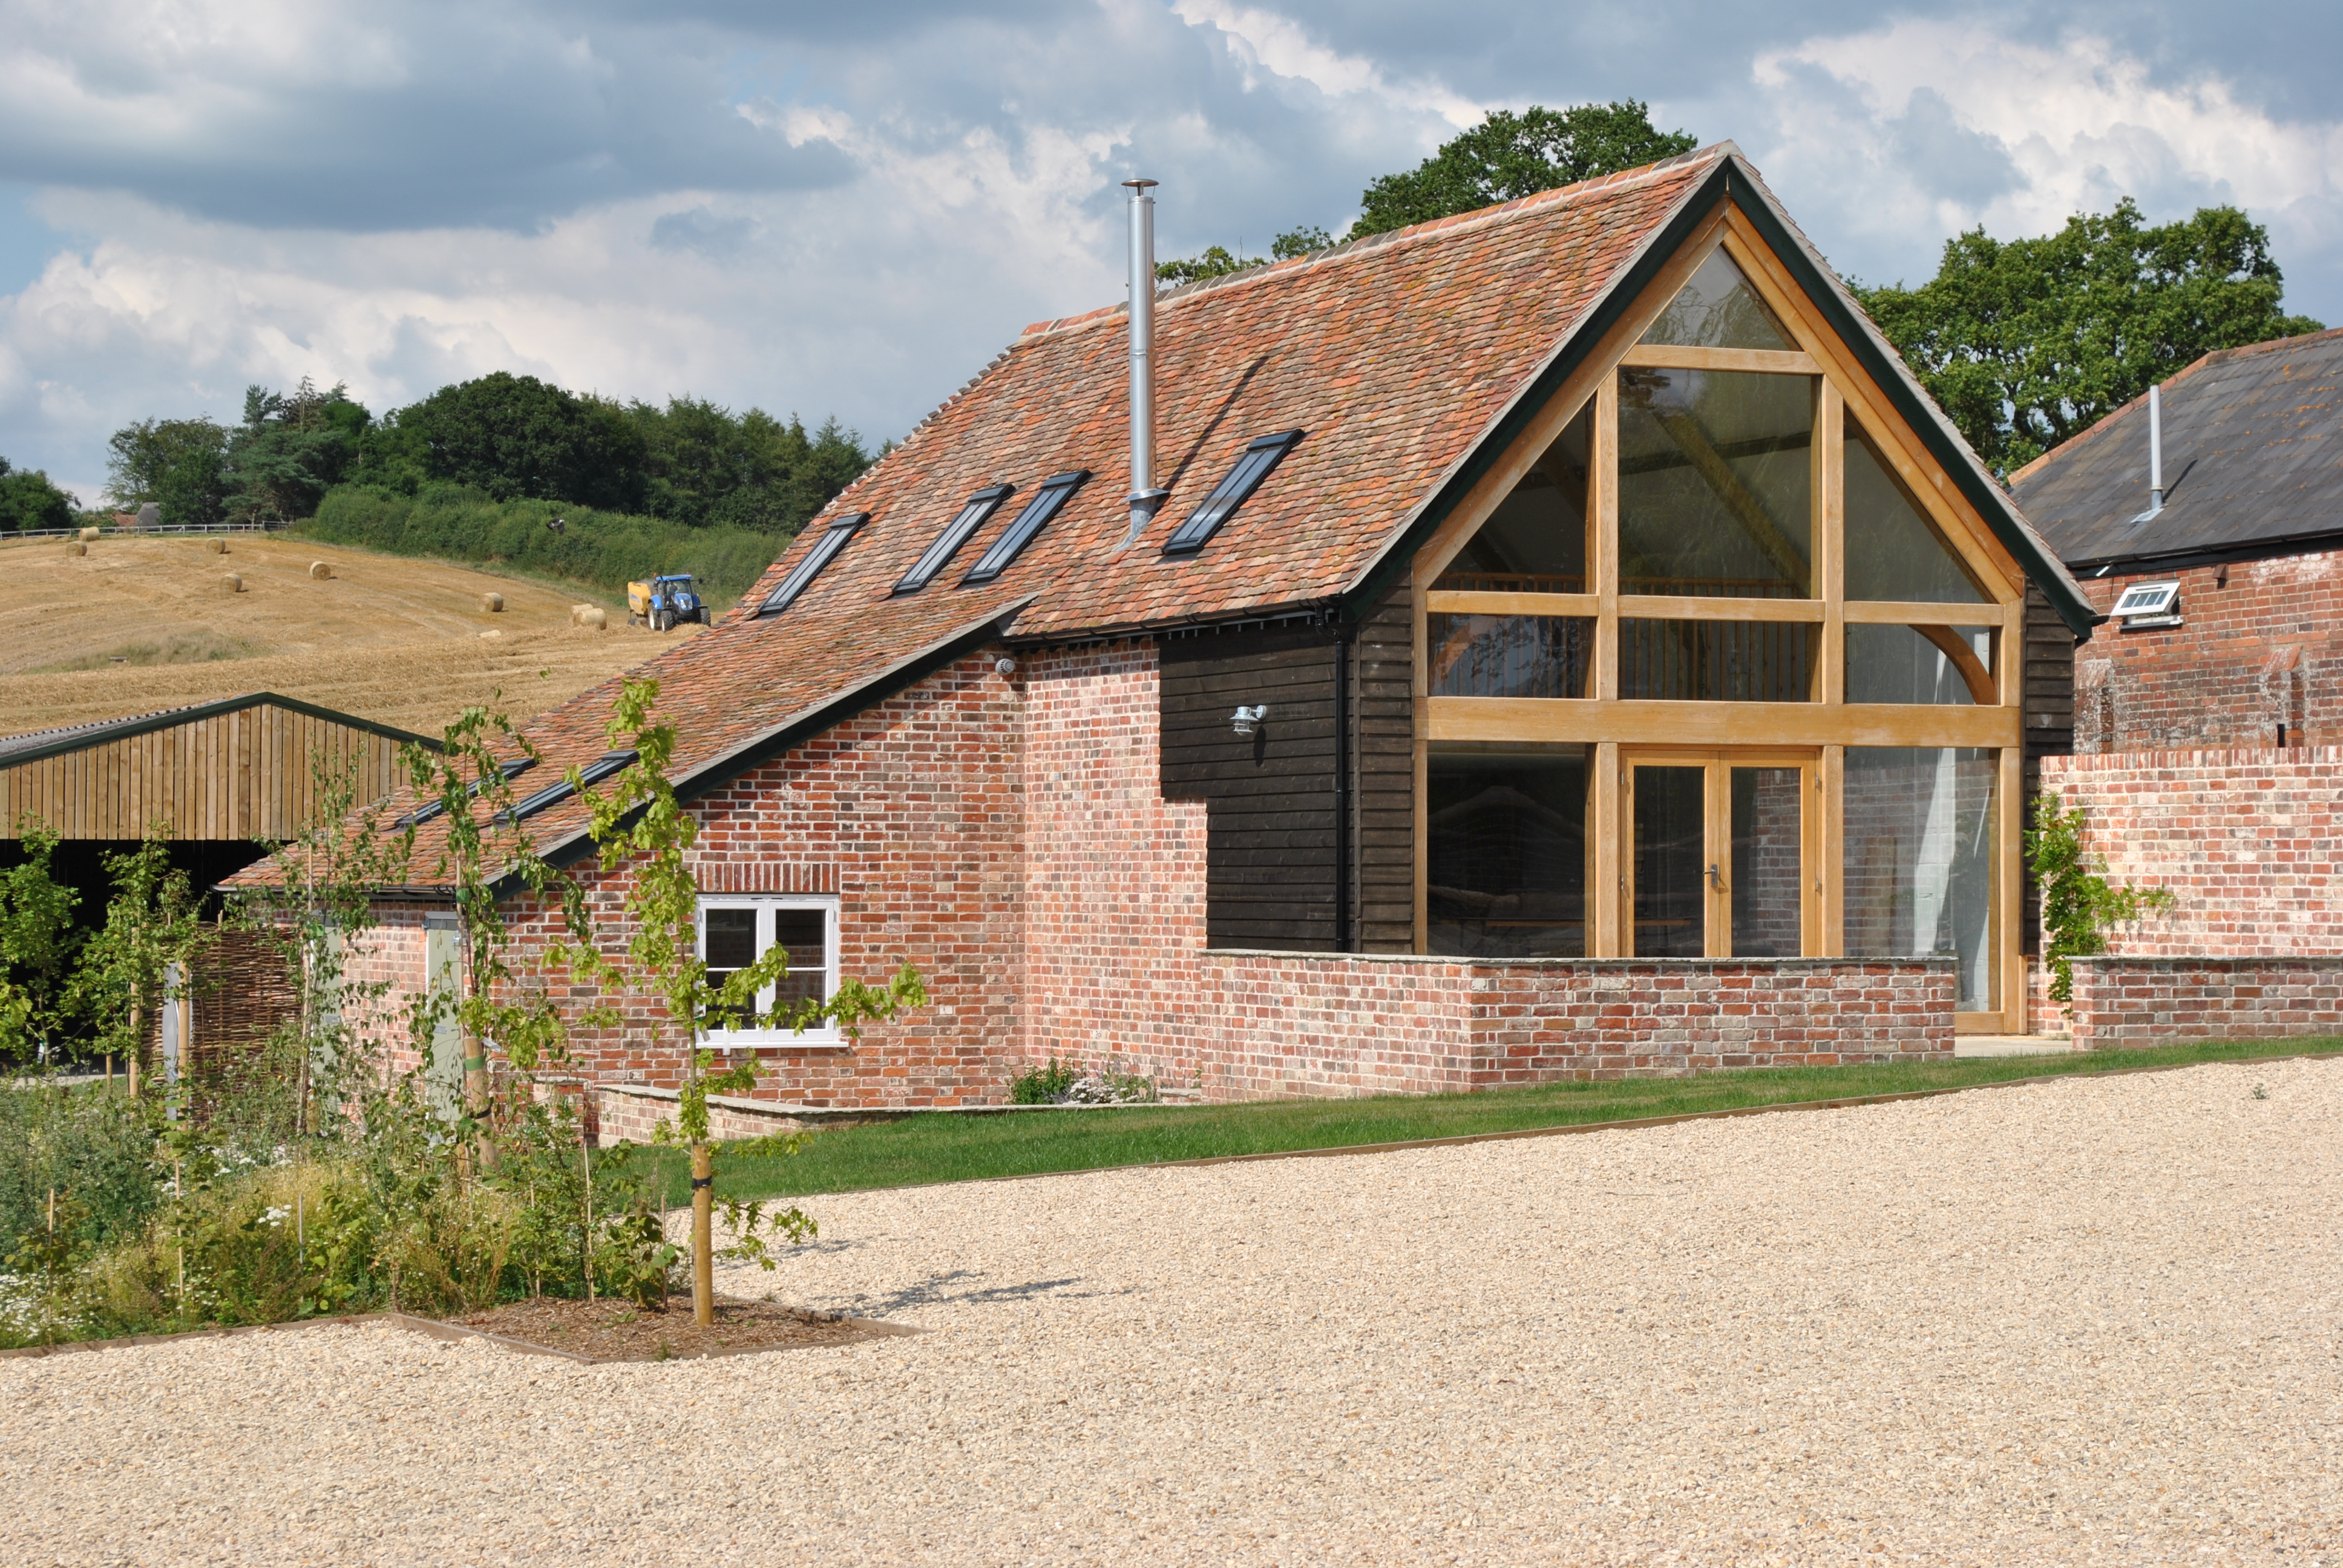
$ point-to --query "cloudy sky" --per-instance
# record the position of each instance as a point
(849, 206)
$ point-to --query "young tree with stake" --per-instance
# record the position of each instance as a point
(640, 826)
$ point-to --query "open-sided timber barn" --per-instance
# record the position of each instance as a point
(1571, 643)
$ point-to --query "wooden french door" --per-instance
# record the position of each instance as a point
(1722, 854)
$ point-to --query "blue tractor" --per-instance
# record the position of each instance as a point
(664, 602)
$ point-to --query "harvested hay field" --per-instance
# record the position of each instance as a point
(2088, 1321)
(139, 624)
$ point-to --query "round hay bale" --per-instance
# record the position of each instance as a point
(233, 583)
(488, 633)
(89, 535)
(494, 603)
(217, 544)
(78, 548)
(593, 617)
(320, 571)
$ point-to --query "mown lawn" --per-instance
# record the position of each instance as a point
(947, 1148)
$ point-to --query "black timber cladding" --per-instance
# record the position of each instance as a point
(1271, 865)
(1293, 862)
(2047, 678)
(1382, 751)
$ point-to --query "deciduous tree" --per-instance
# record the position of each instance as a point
(2027, 343)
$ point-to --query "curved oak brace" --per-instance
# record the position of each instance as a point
(1954, 647)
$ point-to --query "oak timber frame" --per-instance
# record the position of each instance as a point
(1819, 731)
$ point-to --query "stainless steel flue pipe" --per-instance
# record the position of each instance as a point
(1144, 496)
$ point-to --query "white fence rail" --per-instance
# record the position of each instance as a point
(118, 531)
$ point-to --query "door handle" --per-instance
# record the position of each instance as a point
(1716, 877)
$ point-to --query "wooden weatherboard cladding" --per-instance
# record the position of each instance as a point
(222, 771)
(2049, 701)
(1382, 760)
(1271, 860)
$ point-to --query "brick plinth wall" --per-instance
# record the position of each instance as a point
(2247, 841)
(2139, 1001)
(1278, 1024)
(2261, 645)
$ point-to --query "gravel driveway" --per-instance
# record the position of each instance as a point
(2094, 1322)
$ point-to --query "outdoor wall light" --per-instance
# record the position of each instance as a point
(1004, 665)
(1247, 717)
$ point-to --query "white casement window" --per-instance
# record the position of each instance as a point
(736, 930)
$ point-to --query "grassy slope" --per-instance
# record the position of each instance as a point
(947, 1148)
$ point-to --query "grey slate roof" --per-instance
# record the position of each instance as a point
(2253, 463)
(35, 744)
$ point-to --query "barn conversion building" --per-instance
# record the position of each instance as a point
(1560, 639)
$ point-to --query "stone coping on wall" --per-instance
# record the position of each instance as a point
(2197, 756)
(1683, 966)
(786, 1114)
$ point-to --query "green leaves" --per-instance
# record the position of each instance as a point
(1510, 155)
(2029, 342)
(2079, 903)
(27, 500)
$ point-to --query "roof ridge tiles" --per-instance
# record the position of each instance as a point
(1606, 185)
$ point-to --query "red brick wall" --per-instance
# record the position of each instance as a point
(910, 812)
(2137, 1001)
(2247, 841)
(387, 953)
(2262, 650)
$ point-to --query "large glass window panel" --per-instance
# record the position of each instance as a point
(1510, 655)
(1943, 665)
(1671, 867)
(1507, 863)
(1768, 845)
(1716, 309)
(1718, 660)
(1920, 837)
(1535, 541)
(1893, 550)
(1715, 496)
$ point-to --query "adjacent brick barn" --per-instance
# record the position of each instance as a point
(2247, 647)
(1554, 641)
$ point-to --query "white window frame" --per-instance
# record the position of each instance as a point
(2155, 601)
(765, 904)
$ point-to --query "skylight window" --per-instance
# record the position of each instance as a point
(1260, 457)
(2148, 598)
(594, 772)
(430, 809)
(1045, 505)
(2145, 605)
(833, 539)
(972, 516)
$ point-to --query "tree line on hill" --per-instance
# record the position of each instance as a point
(505, 438)
(2024, 343)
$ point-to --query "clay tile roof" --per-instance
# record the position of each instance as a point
(2253, 462)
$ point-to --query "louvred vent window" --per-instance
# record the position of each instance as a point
(833, 539)
(1259, 460)
(937, 556)
(1053, 495)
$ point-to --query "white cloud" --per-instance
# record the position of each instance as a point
(1907, 134)
(1264, 41)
